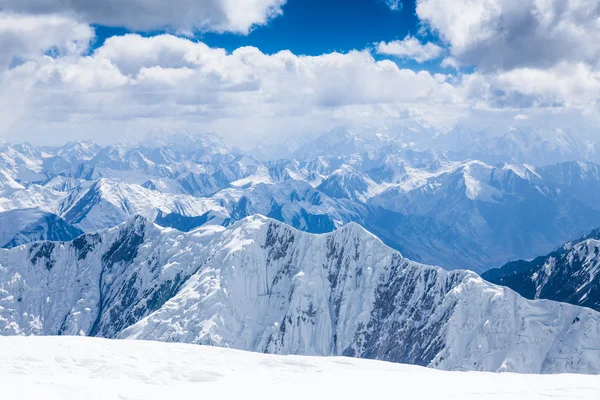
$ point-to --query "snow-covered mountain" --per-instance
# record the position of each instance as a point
(570, 274)
(510, 210)
(8, 186)
(342, 141)
(432, 206)
(202, 145)
(49, 227)
(347, 183)
(12, 222)
(71, 156)
(261, 285)
(579, 179)
(21, 163)
(106, 203)
(30, 225)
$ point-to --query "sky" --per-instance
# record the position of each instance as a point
(261, 70)
(304, 31)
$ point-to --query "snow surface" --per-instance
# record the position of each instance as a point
(52, 368)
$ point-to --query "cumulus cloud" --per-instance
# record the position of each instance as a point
(23, 37)
(508, 34)
(25, 42)
(238, 16)
(51, 82)
(566, 85)
(185, 67)
(411, 48)
(165, 77)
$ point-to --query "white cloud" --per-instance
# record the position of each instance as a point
(394, 5)
(410, 47)
(450, 62)
(566, 85)
(508, 34)
(165, 78)
(23, 37)
(238, 16)
(26, 41)
(135, 83)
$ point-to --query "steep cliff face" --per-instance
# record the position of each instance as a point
(261, 285)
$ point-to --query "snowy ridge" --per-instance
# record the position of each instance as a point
(107, 203)
(8, 185)
(263, 286)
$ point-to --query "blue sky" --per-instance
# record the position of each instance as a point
(313, 27)
(316, 27)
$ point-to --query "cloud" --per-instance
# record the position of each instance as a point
(238, 16)
(50, 83)
(25, 42)
(165, 78)
(23, 37)
(509, 34)
(394, 5)
(411, 48)
(566, 85)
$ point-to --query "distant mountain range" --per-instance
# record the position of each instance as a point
(570, 274)
(437, 207)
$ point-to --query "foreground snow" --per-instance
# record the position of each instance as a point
(85, 368)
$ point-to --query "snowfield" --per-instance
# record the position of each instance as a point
(62, 368)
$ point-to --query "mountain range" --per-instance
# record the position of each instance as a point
(264, 286)
(434, 206)
(186, 239)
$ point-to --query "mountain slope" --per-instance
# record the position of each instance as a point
(346, 183)
(49, 227)
(8, 185)
(570, 274)
(261, 285)
(12, 222)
